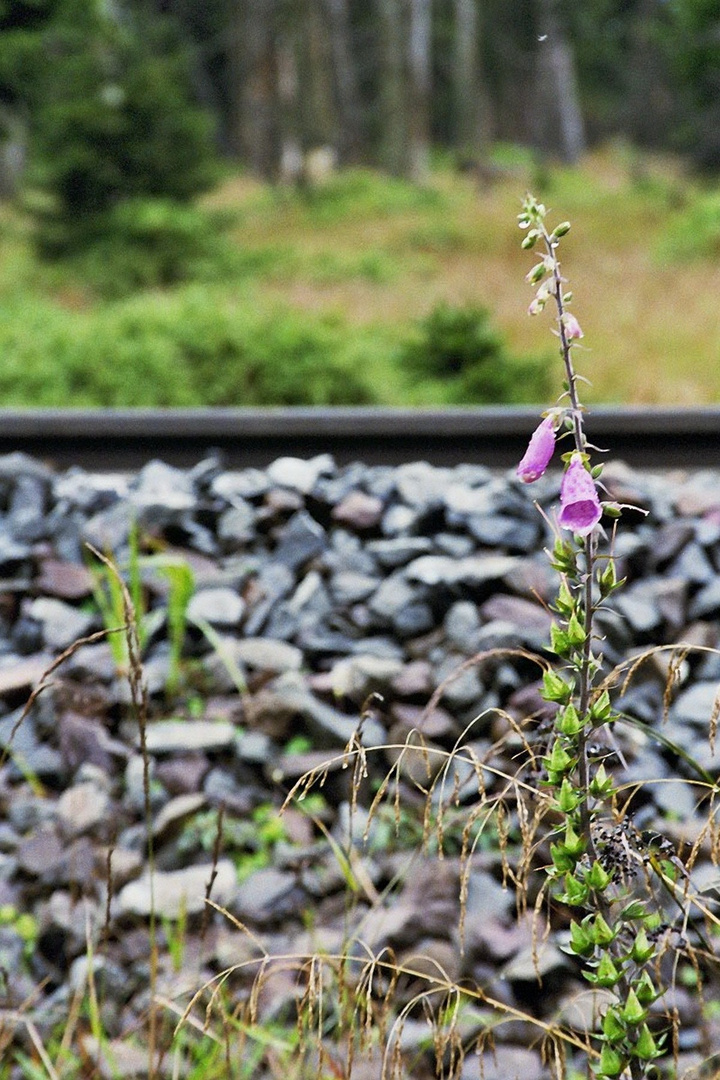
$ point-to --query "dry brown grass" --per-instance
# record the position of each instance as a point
(655, 326)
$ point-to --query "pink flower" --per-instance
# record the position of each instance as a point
(580, 508)
(572, 327)
(540, 450)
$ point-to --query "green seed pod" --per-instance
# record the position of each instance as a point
(568, 798)
(612, 1026)
(602, 932)
(646, 1048)
(598, 878)
(612, 1062)
(555, 688)
(607, 974)
(632, 1011)
(642, 948)
(568, 721)
(580, 941)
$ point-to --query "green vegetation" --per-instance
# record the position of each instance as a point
(250, 842)
(113, 121)
(364, 290)
(460, 354)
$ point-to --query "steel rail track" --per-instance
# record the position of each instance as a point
(108, 440)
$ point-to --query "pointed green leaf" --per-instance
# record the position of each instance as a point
(575, 632)
(642, 948)
(602, 933)
(598, 878)
(612, 1026)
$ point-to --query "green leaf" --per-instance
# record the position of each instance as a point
(636, 909)
(564, 602)
(607, 580)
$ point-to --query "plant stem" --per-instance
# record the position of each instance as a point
(566, 351)
(589, 544)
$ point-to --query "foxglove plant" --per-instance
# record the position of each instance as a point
(597, 859)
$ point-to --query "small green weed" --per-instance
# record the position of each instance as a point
(23, 923)
(109, 597)
(249, 842)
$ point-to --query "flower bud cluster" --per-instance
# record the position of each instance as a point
(592, 866)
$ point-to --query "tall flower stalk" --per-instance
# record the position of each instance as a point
(597, 866)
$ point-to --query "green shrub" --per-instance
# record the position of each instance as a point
(361, 193)
(694, 233)
(190, 348)
(111, 119)
(463, 360)
(153, 243)
(284, 357)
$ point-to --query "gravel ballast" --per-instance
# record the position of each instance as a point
(318, 590)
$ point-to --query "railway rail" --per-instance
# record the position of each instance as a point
(109, 440)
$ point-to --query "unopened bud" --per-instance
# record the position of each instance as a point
(572, 327)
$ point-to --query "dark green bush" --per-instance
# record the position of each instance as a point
(153, 243)
(285, 358)
(111, 119)
(467, 362)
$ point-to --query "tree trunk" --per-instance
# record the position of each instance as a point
(649, 102)
(350, 124)
(470, 101)
(13, 151)
(419, 76)
(558, 124)
(290, 164)
(253, 67)
(394, 136)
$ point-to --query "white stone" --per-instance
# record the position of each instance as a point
(177, 892)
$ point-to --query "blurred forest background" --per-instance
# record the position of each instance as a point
(238, 202)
